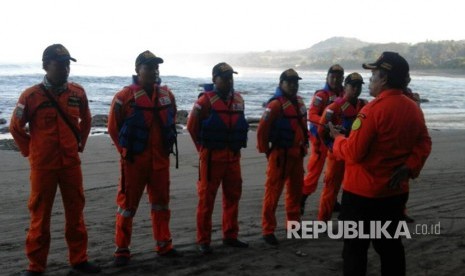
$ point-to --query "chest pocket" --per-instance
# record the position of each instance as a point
(73, 106)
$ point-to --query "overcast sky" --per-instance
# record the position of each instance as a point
(106, 30)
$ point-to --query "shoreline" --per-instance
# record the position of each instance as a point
(7, 142)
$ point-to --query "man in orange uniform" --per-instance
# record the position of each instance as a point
(340, 113)
(282, 136)
(218, 128)
(321, 99)
(142, 126)
(389, 144)
(59, 119)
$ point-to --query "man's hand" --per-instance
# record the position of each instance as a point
(398, 176)
(333, 131)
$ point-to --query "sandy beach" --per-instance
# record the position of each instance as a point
(437, 196)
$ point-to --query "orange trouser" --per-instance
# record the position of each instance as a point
(282, 171)
(134, 178)
(315, 165)
(44, 185)
(334, 174)
(229, 175)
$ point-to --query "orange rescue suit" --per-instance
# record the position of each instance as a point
(321, 99)
(217, 166)
(378, 145)
(340, 113)
(53, 150)
(150, 168)
(285, 166)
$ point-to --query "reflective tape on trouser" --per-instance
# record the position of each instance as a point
(163, 243)
(122, 250)
(125, 213)
(158, 207)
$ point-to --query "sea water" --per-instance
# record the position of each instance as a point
(444, 109)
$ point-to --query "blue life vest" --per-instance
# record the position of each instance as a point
(135, 131)
(330, 97)
(347, 115)
(226, 126)
(282, 133)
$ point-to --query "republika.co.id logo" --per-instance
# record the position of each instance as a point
(358, 229)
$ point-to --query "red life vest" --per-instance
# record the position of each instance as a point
(283, 131)
(344, 114)
(349, 112)
(226, 125)
(135, 130)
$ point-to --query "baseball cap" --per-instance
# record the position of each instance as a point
(56, 52)
(222, 69)
(391, 62)
(289, 74)
(336, 68)
(353, 78)
(147, 57)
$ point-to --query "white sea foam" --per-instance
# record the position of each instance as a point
(445, 107)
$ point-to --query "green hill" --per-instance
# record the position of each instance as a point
(352, 52)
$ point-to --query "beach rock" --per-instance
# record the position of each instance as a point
(252, 120)
(4, 130)
(424, 100)
(8, 144)
(100, 120)
(253, 123)
(2, 121)
(181, 117)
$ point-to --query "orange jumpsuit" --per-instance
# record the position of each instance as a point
(285, 165)
(217, 166)
(377, 146)
(340, 113)
(316, 162)
(53, 149)
(389, 133)
(149, 168)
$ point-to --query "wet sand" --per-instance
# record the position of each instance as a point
(437, 196)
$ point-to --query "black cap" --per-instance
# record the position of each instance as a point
(289, 74)
(56, 52)
(391, 62)
(147, 57)
(336, 68)
(354, 78)
(222, 69)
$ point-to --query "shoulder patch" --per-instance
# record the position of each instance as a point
(19, 110)
(266, 114)
(317, 101)
(356, 124)
(238, 107)
(165, 100)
